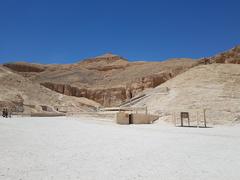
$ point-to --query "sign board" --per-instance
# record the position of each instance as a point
(184, 115)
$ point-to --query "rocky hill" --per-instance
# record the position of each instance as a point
(108, 79)
(23, 95)
(214, 87)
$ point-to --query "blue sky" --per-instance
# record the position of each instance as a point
(57, 31)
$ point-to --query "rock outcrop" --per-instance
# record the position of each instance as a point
(136, 87)
(106, 97)
(25, 67)
(115, 95)
(229, 57)
(108, 57)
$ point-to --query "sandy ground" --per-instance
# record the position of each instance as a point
(77, 148)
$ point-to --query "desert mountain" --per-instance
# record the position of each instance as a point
(108, 79)
(111, 80)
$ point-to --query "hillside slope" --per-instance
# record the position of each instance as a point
(108, 79)
(214, 87)
(22, 94)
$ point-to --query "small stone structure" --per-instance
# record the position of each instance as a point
(195, 118)
(135, 118)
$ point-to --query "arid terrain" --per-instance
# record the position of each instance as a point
(111, 80)
(119, 90)
(22, 95)
(213, 87)
(107, 79)
(87, 143)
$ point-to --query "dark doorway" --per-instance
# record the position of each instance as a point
(130, 94)
(130, 117)
(185, 115)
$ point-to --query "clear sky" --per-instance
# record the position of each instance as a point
(65, 31)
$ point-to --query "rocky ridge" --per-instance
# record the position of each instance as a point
(111, 79)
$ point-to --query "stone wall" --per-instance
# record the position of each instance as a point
(128, 118)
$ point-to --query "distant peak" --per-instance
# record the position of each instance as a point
(107, 55)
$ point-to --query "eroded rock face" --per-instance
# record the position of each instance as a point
(24, 67)
(106, 97)
(111, 96)
(146, 82)
(108, 68)
(108, 57)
